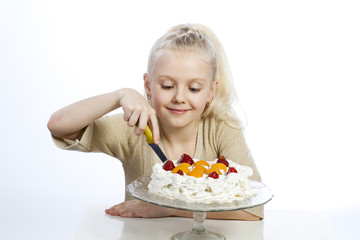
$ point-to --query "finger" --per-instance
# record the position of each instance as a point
(123, 206)
(129, 215)
(155, 128)
(112, 212)
(113, 207)
(142, 122)
(128, 211)
(133, 118)
(117, 209)
(127, 114)
(118, 212)
(133, 208)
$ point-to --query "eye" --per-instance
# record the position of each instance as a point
(195, 87)
(194, 90)
(167, 86)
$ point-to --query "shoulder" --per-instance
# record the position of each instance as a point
(221, 136)
(217, 127)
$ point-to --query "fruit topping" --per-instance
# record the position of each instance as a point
(223, 160)
(219, 166)
(200, 168)
(210, 170)
(201, 163)
(168, 165)
(197, 169)
(186, 159)
(196, 173)
(214, 175)
(185, 167)
(231, 170)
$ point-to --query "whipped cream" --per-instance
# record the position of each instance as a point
(227, 188)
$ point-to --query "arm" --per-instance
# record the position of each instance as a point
(70, 122)
(230, 215)
(137, 208)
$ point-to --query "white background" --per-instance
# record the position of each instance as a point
(296, 68)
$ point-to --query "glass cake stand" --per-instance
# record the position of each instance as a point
(139, 190)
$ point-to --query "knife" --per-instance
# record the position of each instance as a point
(155, 147)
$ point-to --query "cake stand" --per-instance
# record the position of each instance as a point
(139, 190)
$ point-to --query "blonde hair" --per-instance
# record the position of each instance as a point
(200, 39)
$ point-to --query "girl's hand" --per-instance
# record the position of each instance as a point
(138, 111)
(137, 208)
(70, 121)
(140, 209)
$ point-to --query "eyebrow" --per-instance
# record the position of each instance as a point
(190, 80)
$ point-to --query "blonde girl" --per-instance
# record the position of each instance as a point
(188, 100)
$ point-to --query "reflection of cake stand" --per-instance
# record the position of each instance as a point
(139, 190)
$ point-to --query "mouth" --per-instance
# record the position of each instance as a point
(178, 111)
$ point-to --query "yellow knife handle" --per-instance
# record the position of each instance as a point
(149, 135)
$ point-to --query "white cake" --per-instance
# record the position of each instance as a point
(226, 188)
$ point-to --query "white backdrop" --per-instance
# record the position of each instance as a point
(296, 67)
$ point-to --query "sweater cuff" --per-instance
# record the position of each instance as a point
(83, 144)
(257, 211)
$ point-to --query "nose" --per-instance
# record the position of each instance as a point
(179, 96)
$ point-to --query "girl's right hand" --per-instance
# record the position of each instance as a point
(138, 112)
(70, 121)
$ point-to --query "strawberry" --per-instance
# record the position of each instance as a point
(186, 159)
(168, 165)
(214, 175)
(231, 170)
(180, 172)
(223, 160)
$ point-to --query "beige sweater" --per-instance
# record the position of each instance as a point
(111, 135)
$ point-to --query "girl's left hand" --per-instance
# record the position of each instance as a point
(137, 208)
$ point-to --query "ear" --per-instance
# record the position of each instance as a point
(212, 91)
(147, 84)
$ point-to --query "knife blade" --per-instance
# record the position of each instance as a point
(155, 147)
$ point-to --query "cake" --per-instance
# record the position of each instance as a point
(194, 180)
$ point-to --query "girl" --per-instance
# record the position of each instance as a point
(189, 94)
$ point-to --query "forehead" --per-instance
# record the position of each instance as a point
(183, 65)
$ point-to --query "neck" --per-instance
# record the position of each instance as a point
(179, 140)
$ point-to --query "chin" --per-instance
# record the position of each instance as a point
(179, 123)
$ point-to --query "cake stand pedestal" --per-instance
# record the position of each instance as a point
(198, 231)
(139, 190)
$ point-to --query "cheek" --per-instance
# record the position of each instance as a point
(199, 101)
(159, 100)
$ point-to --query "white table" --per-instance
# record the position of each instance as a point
(277, 225)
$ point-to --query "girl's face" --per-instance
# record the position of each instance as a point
(180, 86)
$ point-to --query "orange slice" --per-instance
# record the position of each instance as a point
(201, 163)
(185, 167)
(196, 173)
(200, 168)
(219, 166)
(210, 170)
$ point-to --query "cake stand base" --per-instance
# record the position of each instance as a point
(193, 236)
(198, 231)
